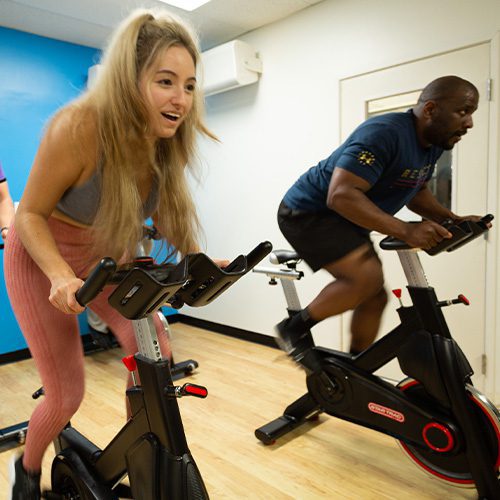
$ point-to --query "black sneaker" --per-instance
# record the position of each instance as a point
(292, 342)
(24, 485)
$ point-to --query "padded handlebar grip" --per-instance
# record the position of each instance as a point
(463, 233)
(258, 253)
(96, 281)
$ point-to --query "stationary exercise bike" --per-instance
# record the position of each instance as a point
(445, 425)
(100, 333)
(102, 338)
(151, 448)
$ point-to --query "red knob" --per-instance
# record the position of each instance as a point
(130, 363)
(194, 390)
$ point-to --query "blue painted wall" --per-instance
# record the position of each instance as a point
(38, 75)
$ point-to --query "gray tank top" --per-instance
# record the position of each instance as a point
(81, 203)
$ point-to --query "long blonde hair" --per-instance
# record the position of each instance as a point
(122, 133)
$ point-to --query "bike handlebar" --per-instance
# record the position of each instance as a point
(257, 254)
(196, 280)
(96, 281)
(462, 233)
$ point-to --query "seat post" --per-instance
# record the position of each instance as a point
(286, 277)
(147, 338)
(292, 298)
(412, 267)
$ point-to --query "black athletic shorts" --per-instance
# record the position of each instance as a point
(320, 238)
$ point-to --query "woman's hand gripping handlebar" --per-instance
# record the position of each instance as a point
(96, 281)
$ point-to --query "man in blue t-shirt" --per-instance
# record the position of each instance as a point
(6, 206)
(328, 213)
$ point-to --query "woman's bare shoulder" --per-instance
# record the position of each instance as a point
(74, 128)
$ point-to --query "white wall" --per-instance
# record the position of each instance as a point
(273, 131)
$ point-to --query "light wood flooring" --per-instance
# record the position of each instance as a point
(248, 385)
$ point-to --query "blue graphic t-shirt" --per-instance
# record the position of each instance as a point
(384, 150)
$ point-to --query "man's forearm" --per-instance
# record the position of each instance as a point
(426, 205)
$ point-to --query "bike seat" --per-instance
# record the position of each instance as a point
(284, 256)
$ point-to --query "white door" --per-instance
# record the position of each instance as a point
(463, 271)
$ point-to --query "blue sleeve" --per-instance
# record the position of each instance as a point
(2, 175)
(368, 151)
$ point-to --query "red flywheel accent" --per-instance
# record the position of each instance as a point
(442, 428)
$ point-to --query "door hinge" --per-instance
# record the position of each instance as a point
(484, 364)
(489, 83)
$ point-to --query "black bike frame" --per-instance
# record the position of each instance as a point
(151, 448)
(153, 435)
(422, 343)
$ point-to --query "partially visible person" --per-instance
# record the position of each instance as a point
(6, 205)
(328, 214)
(108, 161)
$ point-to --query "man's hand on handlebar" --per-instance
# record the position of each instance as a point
(425, 235)
(62, 294)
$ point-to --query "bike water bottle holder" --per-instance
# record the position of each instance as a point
(196, 281)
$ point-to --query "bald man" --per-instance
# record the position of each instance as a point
(384, 165)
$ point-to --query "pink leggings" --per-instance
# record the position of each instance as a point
(53, 337)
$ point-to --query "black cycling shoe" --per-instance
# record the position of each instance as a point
(24, 485)
(285, 338)
(292, 342)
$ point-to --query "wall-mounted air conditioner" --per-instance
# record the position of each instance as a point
(228, 66)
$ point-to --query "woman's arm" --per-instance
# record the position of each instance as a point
(57, 167)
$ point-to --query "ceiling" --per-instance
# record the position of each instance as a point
(89, 22)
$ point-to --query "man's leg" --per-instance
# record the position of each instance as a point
(358, 280)
(358, 276)
(365, 322)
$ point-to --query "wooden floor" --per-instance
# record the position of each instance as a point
(248, 385)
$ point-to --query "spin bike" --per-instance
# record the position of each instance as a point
(103, 338)
(445, 425)
(151, 448)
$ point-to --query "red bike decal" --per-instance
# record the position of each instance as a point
(386, 412)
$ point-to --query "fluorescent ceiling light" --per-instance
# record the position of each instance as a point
(186, 4)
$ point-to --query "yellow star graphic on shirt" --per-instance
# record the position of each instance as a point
(366, 158)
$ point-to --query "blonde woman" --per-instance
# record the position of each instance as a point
(107, 161)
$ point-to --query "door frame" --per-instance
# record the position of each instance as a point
(492, 319)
